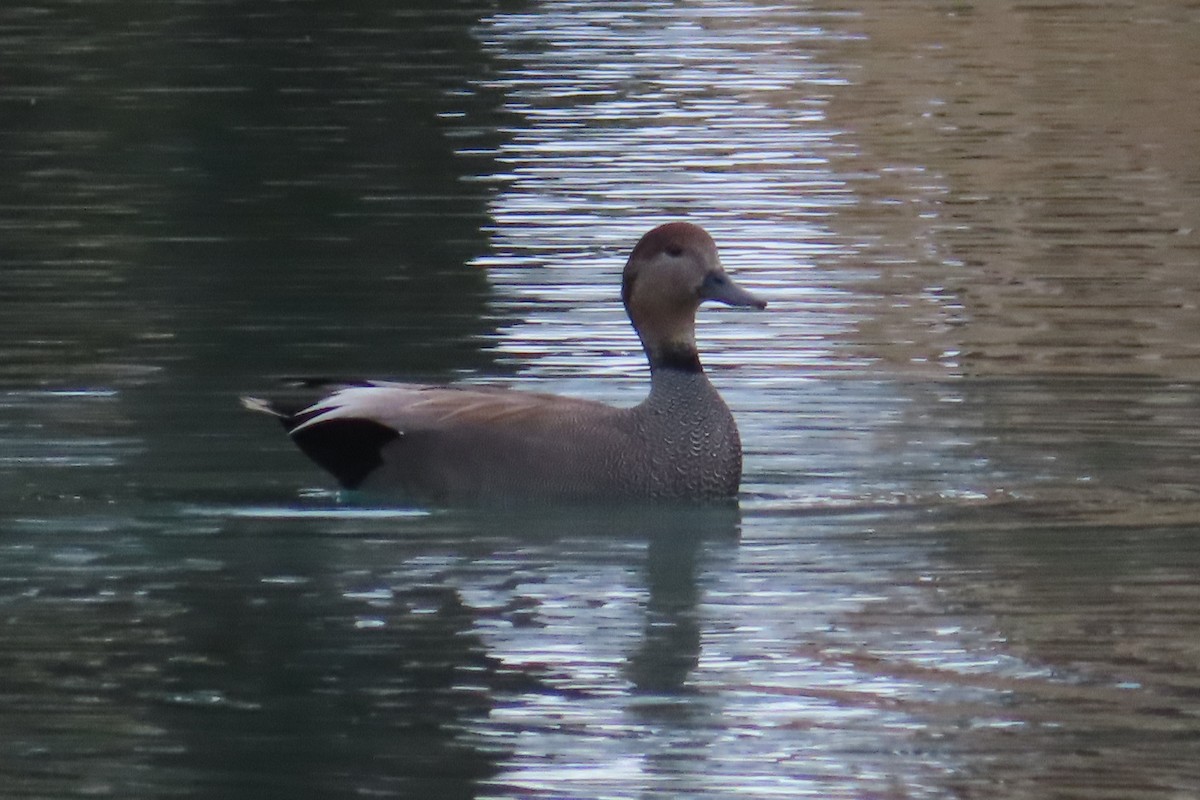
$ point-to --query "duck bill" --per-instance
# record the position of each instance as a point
(731, 294)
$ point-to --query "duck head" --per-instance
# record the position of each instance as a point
(672, 270)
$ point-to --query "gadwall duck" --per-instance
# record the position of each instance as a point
(447, 444)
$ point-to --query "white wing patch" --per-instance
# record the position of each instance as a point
(406, 407)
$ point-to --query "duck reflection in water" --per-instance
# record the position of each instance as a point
(681, 544)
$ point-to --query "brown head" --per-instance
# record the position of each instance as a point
(671, 271)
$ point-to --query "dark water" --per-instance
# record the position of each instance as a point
(966, 562)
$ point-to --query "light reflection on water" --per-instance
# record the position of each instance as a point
(966, 557)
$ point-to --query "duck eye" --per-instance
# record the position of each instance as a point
(674, 250)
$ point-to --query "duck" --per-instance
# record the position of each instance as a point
(453, 444)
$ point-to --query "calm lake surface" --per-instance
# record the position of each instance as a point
(967, 558)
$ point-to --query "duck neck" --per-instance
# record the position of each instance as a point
(674, 358)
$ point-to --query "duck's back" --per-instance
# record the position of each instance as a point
(481, 445)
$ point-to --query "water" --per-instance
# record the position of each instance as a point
(966, 559)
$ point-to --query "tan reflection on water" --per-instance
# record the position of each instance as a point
(1031, 186)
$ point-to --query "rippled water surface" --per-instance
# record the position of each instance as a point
(966, 562)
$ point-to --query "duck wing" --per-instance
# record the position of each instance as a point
(357, 429)
(408, 407)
